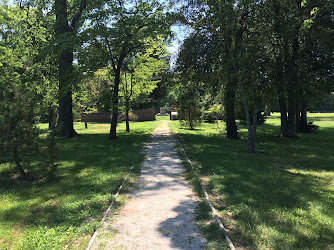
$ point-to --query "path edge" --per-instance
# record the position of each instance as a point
(213, 210)
(92, 239)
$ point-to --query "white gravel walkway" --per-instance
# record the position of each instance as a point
(159, 214)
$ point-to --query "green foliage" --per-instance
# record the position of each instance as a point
(214, 112)
(24, 83)
(142, 72)
(18, 102)
(51, 151)
(133, 26)
(95, 92)
(188, 105)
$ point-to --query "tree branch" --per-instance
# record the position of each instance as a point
(78, 14)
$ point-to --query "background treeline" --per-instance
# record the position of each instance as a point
(255, 56)
(59, 59)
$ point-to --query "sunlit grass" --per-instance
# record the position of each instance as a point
(280, 198)
(64, 213)
(159, 118)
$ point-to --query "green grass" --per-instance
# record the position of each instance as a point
(280, 198)
(159, 118)
(64, 213)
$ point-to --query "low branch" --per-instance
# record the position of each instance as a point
(78, 14)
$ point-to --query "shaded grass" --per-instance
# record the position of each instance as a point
(281, 197)
(63, 213)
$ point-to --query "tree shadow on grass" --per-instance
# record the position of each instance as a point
(189, 129)
(91, 170)
(279, 198)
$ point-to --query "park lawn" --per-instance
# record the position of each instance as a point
(282, 197)
(65, 212)
(165, 117)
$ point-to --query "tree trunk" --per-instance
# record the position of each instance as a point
(190, 119)
(52, 118)
(127, 110)
(291, 115)
(284, 117)
(229, 100)
(251, 129)
(65, 68)
(298, 119)
(303, 118)
(86, 124)
(252, 133)
(293, 82)
(65, 120)
(267, 110)
(18, 165)
(114, 118)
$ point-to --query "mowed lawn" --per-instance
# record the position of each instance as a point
(282, 197)
(65, 212)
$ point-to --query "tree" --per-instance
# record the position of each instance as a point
(188, 104)
(23, 33)
(297, 44)
(230, 24)
(129, 29)
(140, 76)
(66, 26)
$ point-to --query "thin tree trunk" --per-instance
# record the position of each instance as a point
(127, 110)
(52, 118)
(114, 118)
(190, 120)
(18, 165)
(284, 117)
(267, 110)
(251, 129)
(252, 133)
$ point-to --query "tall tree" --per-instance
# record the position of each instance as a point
(140, 76)
(231, 22)
(129, 28)
(66, 27)
(295, 33)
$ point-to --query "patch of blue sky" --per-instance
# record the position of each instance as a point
(181, 33)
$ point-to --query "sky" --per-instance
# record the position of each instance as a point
(181, 33)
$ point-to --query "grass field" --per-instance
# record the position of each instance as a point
(63, 213)
(280, 198)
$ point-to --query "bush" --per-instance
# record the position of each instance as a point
(19, 135)
(209, 117)
(213, 113)
(189, 108)
(20, 141)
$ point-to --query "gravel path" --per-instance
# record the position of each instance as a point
(159, 214)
